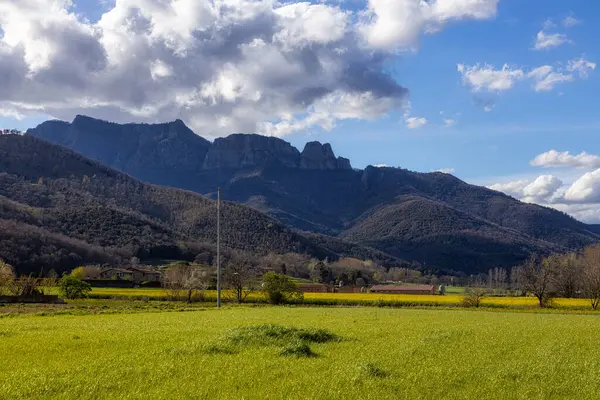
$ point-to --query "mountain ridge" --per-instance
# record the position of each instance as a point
(315, 191)
(59, 209)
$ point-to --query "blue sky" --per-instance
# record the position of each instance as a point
(484, 145)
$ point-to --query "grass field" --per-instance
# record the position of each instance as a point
(384, 354)
(363, 299)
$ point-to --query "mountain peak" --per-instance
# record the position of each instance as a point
(245, 150)
(320, 156)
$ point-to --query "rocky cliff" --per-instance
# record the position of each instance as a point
(240, 150)
(148, 151)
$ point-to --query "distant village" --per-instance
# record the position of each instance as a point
(147, 276)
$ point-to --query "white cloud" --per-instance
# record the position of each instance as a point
(220, 65)
(579, 196)
(514, 188)
(589, 213)
(581, 67)
(485, 77)
(448, 122)
(397, 24)
(569, 22)
(586, 189)
(446, 170)
(542, 188)
(555, 159)
(381, 165)
(546, 78)
(489, 79)
(545, 41)
(415, 122)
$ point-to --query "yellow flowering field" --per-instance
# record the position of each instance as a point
(357, 298)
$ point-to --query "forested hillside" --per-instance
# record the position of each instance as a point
(59, 209)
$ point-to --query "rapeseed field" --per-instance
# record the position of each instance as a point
(359, 298)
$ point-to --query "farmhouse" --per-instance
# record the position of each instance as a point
(118, 273)
(135, 274)
(144, 274)
(408, 289)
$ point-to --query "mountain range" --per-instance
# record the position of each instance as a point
(434, 219)
(59, 210)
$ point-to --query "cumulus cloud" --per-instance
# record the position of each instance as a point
(554, 159)
(514, 188)
(445, 170)
(220, 65)
(586, 189)
(542, 188)
(486, 78)
(397, 24)
(545, 41)
(581, 198)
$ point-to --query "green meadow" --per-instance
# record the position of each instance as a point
(301, 353)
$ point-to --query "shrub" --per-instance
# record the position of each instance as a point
(72, 288)
(281, 289)
(291, 341)
(473, 297)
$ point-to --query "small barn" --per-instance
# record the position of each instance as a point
(406, 289)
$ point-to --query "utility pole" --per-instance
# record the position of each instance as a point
(219, 247)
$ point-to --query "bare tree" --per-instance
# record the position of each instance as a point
(7, 274)
(474, 296)
(536, 276)
(567, 275)
(591, 275)
(185, 279)
(25, 286)
(241, 276)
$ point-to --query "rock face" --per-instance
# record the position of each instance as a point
(151, 152)
(343, 163)
(157, 152)
(320, 156)
(240, 151)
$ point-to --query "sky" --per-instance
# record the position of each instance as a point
(500, 93)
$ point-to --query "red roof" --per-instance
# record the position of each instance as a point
(408, 288)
